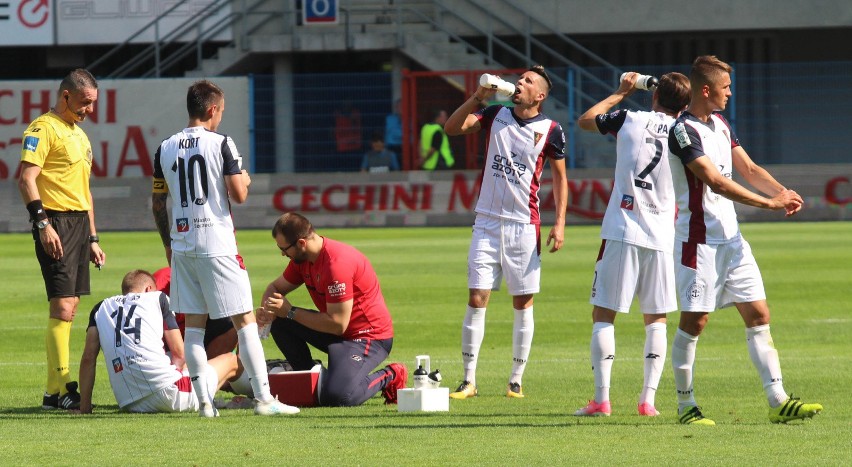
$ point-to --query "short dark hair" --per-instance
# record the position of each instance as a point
(377, 136)
(539, 70)
(292, 226)
(136, 281)
(77, 80)
(200, 96)
(673, 92)
(706, 69)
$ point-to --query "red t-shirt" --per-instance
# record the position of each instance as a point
(343, 273)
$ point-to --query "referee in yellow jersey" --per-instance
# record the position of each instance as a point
(56, 162)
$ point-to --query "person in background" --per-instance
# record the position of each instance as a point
(56, 163)
(393, 129)
(435, 152)
(506, 236)
(378, 159)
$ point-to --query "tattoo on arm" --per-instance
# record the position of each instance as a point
(161, 216)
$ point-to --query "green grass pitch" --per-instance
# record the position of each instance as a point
(806, 269)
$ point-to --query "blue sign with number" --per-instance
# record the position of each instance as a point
(320, 12)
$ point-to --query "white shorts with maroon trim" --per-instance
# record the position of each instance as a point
(710, 277)
(217, 286)
(507, 248)
(176, 397)
(624, 270)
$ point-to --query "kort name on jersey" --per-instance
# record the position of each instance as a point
(188, 143)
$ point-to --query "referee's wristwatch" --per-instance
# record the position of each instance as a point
(42, 224)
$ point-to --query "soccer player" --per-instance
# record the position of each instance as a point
(714, 264)
(56, 162)
(353, 324)
(202, 170)
(131, 328)
(635, 257)
(506, 233)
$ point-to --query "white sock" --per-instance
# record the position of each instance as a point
(254, 361)
(655, 357)
(765, 359)
(196, 363)
(242, 385)
(683, 360)
(522, 336)
(473, 330)
(602, 355)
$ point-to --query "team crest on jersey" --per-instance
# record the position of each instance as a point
(30, 143)
(537, 137)
(681, 136)
(336, 289)
(695, 292)
(627, 202)
(117, 367)
(182, 224)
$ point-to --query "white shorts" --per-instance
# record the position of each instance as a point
(501, 247)
(710, 277)
(217, 286)
(177, 397)
(624, 271)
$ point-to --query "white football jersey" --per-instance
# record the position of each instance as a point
(194, 163)
(703, 216)
(515, 155)
(641, 209)
(130, 328)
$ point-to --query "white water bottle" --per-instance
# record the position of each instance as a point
(645, 82)
(502, 86)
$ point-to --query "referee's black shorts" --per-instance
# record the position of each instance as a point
(69, 275)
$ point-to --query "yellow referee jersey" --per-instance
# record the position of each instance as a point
(64, 154)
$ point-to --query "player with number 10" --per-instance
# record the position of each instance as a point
(201, 169)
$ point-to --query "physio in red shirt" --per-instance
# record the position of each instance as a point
(351, 317)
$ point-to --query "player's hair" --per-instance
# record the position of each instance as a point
(200, 96)
(539, 70)
(673, 92)
(292, 226)
(77, 80)
(707, 69)
(136, 281)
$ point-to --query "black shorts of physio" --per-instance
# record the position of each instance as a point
(69, 275)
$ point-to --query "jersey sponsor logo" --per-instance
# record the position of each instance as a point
(117, 367)
(336, 289)
(681, 136)
(30, 143)
(695, 292)
(627, 202)
(182, 224)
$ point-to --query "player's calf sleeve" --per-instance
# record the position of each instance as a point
(254, 361)
(522, 336)
(655, 356)
(602, 355)
(763, 355)
(683, 359)
(196, 363)
(473, 331)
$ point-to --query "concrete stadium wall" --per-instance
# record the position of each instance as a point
(637, 16)
(416, 199)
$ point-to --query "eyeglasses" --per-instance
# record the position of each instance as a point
(290, 245)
